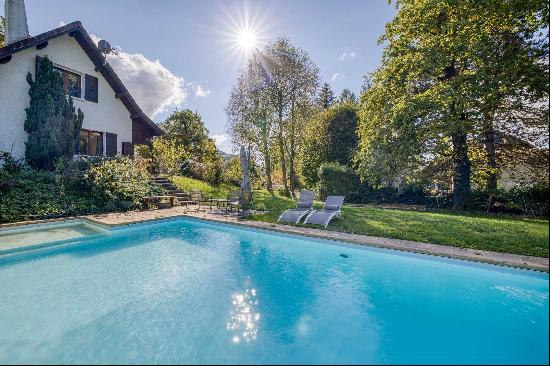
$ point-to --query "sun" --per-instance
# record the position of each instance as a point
(247, 39)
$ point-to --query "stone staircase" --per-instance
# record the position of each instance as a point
(170, 189)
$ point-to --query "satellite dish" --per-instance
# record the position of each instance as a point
(104, 47)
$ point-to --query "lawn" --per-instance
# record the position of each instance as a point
(500, 233)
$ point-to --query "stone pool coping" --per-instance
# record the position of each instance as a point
(484, 256)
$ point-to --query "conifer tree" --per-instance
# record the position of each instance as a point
(326, 96)
(52, 123)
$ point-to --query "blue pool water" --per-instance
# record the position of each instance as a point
(187, 291)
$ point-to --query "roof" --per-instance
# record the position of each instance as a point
(77, 31)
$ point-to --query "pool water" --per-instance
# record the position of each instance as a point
(14, 238)
(188, 291)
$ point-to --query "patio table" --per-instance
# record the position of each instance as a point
(218, 202)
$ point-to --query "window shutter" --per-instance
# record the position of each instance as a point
(90, 88)
(38, 64)
(128, 149)
(111, 144)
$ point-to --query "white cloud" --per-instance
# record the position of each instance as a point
(153, 86)
(61, 23)
(347, 56)
(337, 76)
(223, 142)
(200, 91)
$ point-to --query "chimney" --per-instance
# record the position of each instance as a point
(16, 21)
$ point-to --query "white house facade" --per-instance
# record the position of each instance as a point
(113, 122)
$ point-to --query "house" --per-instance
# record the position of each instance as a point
(113, 122)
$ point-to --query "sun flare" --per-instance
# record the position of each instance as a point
(247, 39)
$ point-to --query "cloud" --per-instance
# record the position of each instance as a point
(223, 142)
(154, 87)
(337, 76)
(61, 23)
(347, 56)
(200, 91)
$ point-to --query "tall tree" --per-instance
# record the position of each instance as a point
(347, 96)
(428, 90)
(293, 80)
(331, 136)
(249, 112)
(187, 129)
(326, 96)
(51, 121)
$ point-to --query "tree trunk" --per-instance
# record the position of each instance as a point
(282, 152)
(291, 159)
(267, 161)
(461, 170)
(489, 142)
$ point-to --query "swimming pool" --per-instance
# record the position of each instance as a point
(190, 291)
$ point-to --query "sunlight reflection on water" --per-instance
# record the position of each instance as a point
(244, 317)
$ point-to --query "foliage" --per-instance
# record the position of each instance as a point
(188, 131)
(9, 164)
(120, 182)
(168, 155)
(330, 137)
(79, 187)
(336, 180)
(496, 232)
(52, 123)
(270, 104)
(325, 99)
(347, 96)
(232, 170)
(440, 82)
(144, 159)
(2, 25)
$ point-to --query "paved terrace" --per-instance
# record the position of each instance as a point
(512, 260)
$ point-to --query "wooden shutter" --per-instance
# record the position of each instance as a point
(90, 88)
(128, 149)
(111, 144)
(38, 64)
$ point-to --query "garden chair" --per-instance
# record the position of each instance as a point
(303, 207)
(331, 209)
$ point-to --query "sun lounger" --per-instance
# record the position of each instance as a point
(303, 207)
(330, 210)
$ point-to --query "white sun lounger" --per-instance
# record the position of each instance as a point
(330, 210)
(303, 207)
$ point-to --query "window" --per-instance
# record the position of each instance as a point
(71, 82)
(90, 143)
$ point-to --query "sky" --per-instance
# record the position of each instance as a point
(185, 54)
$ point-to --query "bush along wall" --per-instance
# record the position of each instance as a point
(337, 180)
(74, 188)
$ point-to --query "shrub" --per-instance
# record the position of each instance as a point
(168, 155)
(214, 172)
(51, 121)
(336, 180)
(119, 182)
(9, 164)
(144, 159)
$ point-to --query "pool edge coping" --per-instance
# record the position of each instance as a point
(539, 264)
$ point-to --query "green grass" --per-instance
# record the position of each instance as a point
(187, 184)
(500, 233)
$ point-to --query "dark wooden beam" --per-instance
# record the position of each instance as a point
(73, 33)
(120, 95)
(42, 45)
